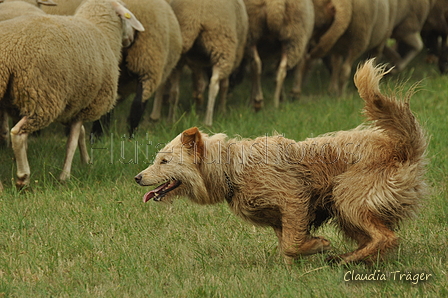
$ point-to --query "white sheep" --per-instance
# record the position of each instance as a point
(214, 34)
(282, 26)
(63, 7)
(359, 26)
(435, 35)
(409, 17)
(148, 61)
(364, 27)
(10, 9)
(60, 68)
(153, 55)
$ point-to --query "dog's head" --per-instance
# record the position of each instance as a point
(175, 169)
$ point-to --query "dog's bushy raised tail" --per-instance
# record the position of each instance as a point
(392, 115)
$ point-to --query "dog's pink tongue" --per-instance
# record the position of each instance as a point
(148, 196)
(151, 194)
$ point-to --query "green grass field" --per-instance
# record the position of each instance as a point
(94, 237)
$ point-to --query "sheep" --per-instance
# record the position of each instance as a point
(363, 27)
(283, 25)
(324, 12)
(148, 62)
(153, 56)
(10, 9)
(13, 8)
(63, 7)
(214, 34)
(436, 26)
(65, 69)
(358, 26)
(408, 19)
(36, 3)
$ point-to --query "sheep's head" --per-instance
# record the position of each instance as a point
(130, 23)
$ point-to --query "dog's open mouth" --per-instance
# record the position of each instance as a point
(160, 191)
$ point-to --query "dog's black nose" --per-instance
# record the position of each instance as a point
(138, 178)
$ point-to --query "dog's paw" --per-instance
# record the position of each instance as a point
(325, 245)
(335, 260)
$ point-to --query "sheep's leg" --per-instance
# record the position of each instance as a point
(72, 141)
(4, 128)
(414, 41)
(344, 75)
(137, 109)
(223, 90)
(213, 90)
(281, 74)
(300, 72)
(82, 146)
(256, 69)
(99, 126)
(19, 146)
(173, 82)
(391, 55)
(443, 56)
(336, 66)
(157, 105)
(199, 85)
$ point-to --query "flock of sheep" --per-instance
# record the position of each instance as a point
(71, 60)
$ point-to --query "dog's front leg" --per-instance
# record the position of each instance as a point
(295, 238)
(279, 231)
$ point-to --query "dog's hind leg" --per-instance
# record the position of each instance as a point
(374, 238)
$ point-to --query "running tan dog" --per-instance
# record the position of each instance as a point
(368, 179)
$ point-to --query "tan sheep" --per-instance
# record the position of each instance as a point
(153, 55)
(150, 59)
(36, 3)
(65, 69)
(362, 26)
(408, 19)
(214, 34)
(359, 26)
(435, 28)
(10, 9)
(63, 7)
(282, 26)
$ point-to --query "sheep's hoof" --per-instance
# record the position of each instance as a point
(4, 143)
(154, 117)
(64, 176)
(258, 105)
(23, 182)
(295, 95)
(335, 260)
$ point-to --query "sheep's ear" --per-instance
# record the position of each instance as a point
(128, 16)
(192, 139)
(46, 2)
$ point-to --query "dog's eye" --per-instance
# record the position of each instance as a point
(164, 161)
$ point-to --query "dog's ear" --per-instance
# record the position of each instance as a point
(192, 139)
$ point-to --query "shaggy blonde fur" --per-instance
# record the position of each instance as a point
(368, 179)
